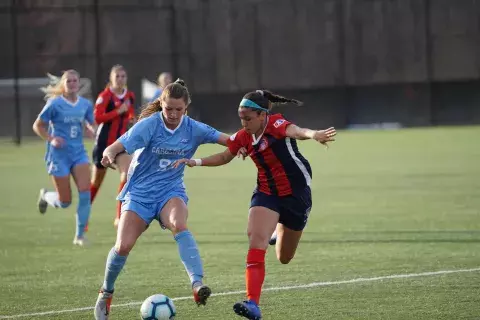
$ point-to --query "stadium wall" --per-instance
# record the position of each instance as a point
(414, 62)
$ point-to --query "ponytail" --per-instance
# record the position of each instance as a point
(150, 109)
(277, 99)
(264, 100)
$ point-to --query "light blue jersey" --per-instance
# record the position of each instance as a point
(155, 148)
(152, 182)
(66, 119)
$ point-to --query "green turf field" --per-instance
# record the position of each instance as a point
(385, 203)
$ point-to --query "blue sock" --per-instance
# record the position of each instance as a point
(187, 247)
(83, 212)
(115, 263)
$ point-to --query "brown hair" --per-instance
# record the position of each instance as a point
(115, 68)
(266, 99)
(175, 90)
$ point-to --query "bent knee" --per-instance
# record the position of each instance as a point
(123, 248)
(178, 226)
(258, 240)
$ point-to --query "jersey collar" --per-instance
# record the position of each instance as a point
(257, 140)
(165, 126)
(121, 96)
(73, 104)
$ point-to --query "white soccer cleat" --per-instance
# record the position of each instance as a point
(42, 204)
(102, 307)
(81, 242)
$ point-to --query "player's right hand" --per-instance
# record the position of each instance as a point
(123, 108)
(188, 162)
(57, 142)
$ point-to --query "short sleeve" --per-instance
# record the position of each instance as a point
(139, 135)
(89, 116)
(279, 126)
(204, 133)
(234, 143)
(46, 114)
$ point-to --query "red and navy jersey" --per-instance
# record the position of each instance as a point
(111, 124)
(282, 170)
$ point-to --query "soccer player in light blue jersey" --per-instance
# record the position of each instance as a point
(61, 123)
(164, 79)
(155, 189)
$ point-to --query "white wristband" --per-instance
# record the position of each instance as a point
(198, 162)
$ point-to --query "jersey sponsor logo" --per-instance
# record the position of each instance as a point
(184, 141)
(232, 137)
(99, 100)
(166, 151)
(263, 144)
(72, 119)
(278, 123)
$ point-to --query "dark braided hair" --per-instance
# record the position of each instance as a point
(267, 99)
(175, 90)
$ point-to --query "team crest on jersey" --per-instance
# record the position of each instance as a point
(263, 144)
(99, 100)
(278, 123)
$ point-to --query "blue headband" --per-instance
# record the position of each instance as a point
(250, 104)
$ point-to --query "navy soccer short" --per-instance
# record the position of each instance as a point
(293, 209)
(97, 154)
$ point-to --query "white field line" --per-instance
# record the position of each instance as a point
(229, 293)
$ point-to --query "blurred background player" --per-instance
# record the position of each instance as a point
(164, 79)
(61, 124)
(282, 199)
(155, 189)
(114, 112)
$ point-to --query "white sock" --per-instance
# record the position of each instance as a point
(52, 198)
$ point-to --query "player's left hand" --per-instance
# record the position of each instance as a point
(324, 136)
(188, 162)
(108, 160)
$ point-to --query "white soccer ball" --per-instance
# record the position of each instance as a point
(158, 307)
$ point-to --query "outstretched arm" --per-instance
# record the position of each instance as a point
(214, 160)
(322, 136)
(222, 139)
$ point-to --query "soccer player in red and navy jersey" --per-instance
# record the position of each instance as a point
(282, 200)
(114, 112)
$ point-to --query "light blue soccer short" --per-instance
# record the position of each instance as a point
(61, 162)
(150, 211)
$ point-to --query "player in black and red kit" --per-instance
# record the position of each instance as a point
(282, 200)
(114, 113)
